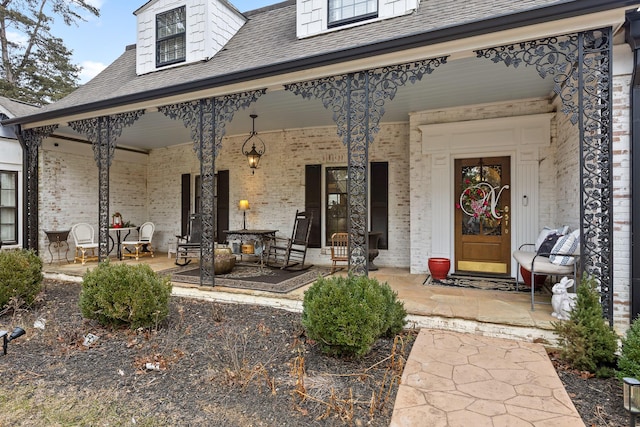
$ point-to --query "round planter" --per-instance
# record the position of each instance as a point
(439, 267)
(526, 277)
(224, 260)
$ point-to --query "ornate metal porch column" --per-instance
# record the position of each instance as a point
(103, 132)
(207, 119)
(580, 65)
(357, 102)
(31, 140)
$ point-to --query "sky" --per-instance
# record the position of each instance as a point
(100, 40)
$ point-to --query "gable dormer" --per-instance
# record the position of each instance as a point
(176, 32)
(320, 16)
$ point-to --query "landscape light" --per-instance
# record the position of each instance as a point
(631, 395)
(17, 332)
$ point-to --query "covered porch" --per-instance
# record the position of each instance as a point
(503, 314)
(386, 127)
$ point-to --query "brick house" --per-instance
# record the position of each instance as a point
(373, 116)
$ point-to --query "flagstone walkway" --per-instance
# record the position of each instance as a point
(455, 379)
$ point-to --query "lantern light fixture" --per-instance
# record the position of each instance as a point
(257, 146)
(631, 395)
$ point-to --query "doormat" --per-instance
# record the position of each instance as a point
(484, 283)
(252, 277)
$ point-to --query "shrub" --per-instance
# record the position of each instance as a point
(20, 276)
(122, 294)
(629, 360)
(346, 315)
(587, 342)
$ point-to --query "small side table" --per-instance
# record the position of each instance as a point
(58, 239)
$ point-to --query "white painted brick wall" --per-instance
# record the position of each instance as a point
(69, 188)
(276, 189)
(422, 204)
(566, 168)
(621, 144)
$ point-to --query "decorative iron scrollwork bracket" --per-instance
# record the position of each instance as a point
(357, 102)
(32, 140)
(206, 119)
(580, 65)
(103, 132)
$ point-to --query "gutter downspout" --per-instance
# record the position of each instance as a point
(25, 166)
(633, 39)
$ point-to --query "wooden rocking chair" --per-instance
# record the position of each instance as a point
(287, 253)
(188, 246)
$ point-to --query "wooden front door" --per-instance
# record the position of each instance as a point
(482, 215)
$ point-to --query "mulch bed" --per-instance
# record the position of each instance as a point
(219, 364)
(207, 364)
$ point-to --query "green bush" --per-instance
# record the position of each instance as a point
(346, 315)
(122, 294)
(587, 341)
(20, 276)
(629, 360)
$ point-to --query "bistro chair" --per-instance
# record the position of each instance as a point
(83, 238)
(339, 249)
(188, 246)
(142, 246)
(287, 253)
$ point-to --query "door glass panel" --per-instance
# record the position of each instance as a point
(479, 200)
(336, 193)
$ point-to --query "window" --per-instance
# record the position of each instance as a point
(170, 37)
(336, 201)
(346, 11)
(9, 207)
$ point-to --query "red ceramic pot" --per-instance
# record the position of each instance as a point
(439, 267)
(526, 276)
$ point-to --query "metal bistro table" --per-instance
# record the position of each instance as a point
(117, 243)
(246, 235)
(58, 238)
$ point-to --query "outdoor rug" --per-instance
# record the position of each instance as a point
(485, 283)
(251, 277)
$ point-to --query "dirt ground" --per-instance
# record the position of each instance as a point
(211, 364)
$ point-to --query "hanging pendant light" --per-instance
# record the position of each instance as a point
(254, 154)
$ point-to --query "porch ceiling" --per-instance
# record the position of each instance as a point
(464, 81)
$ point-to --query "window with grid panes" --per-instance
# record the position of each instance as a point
(9, 207)
(336, 202)
(171, 43)
(346, 11)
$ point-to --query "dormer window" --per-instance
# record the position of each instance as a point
(343, 12)
(171, 37)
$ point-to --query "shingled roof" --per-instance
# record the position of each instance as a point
(15, 108)
(267, 45)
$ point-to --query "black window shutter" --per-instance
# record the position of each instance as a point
(185, 201)
(380, 201)
(313, 201)
(222, 209)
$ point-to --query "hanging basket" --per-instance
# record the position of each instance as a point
(439, 267)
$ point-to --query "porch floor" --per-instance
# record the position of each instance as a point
(478, 358)
(490, 313)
